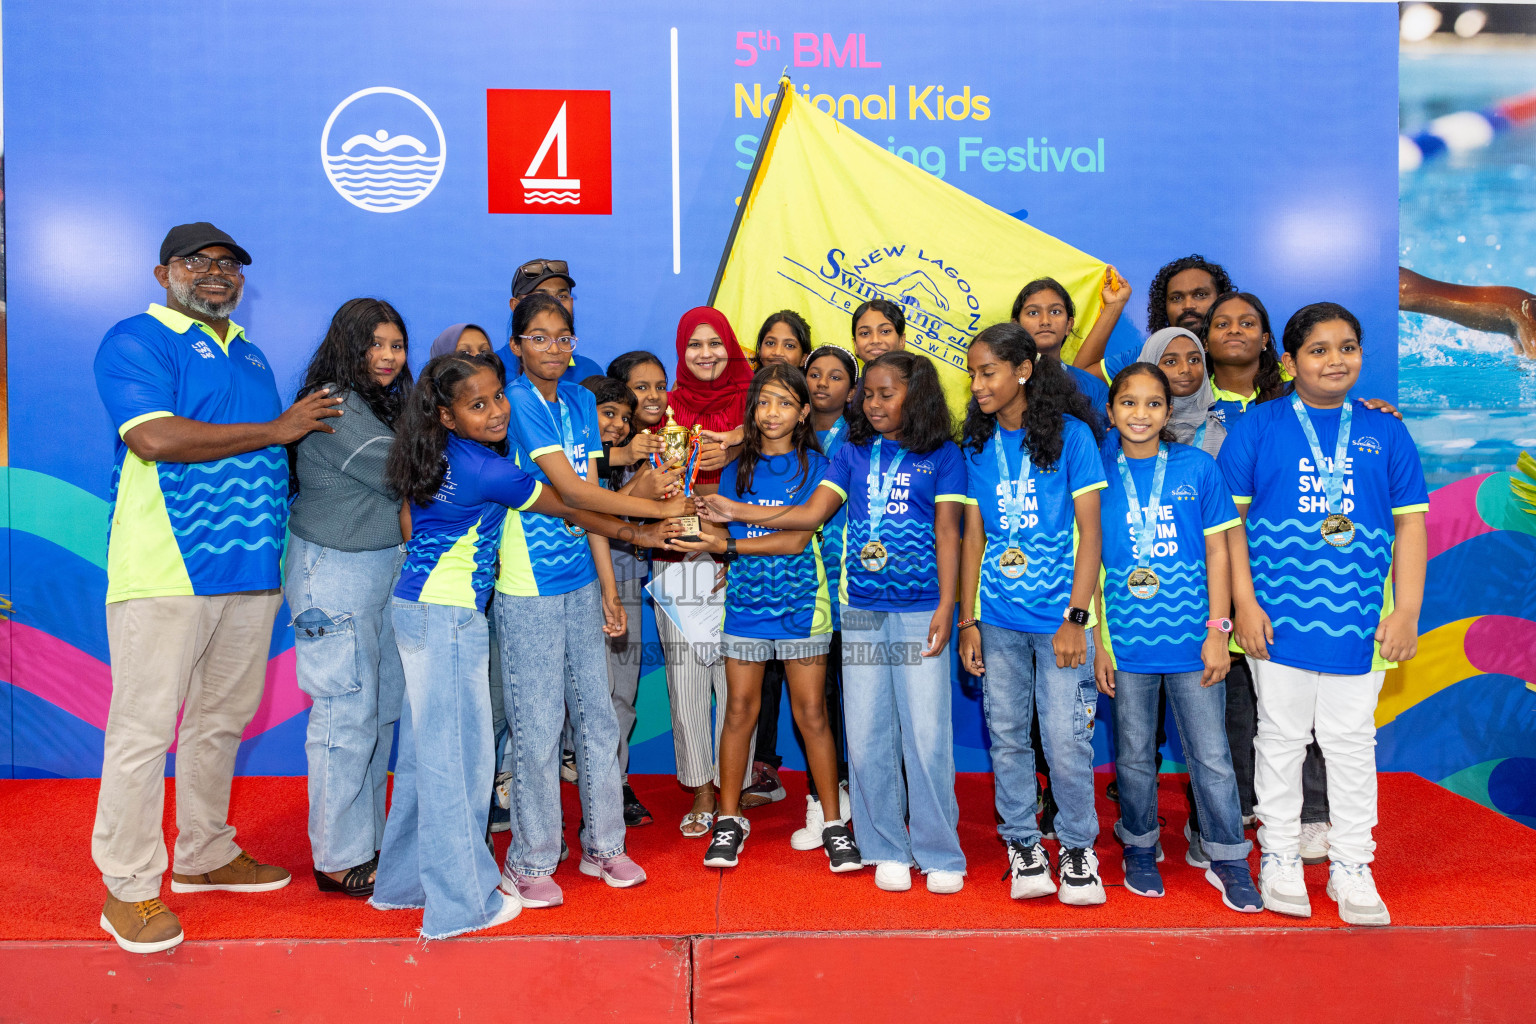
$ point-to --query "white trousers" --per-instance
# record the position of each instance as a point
(1293, 703)
(695, 690)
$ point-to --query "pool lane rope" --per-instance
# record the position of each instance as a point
(1464, 131)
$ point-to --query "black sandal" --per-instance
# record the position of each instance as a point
(355, 883)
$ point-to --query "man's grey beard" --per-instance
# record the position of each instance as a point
(186, 294)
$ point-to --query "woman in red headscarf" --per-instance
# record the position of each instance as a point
(712, 379)
(710, 392)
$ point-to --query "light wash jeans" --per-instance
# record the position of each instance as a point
(434, 842)
(346, 661)
(1201, 715)
(1022, 678)
(556, 644)
(901, 754)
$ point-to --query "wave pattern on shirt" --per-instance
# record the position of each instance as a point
(1290, 581)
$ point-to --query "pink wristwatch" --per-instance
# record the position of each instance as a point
(1225, 625)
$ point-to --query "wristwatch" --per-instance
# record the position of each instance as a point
(1078, 616)
(730, 549)
(1225, 625)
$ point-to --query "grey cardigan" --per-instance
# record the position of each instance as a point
(342, 501)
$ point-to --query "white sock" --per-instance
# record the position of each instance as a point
(839, 821)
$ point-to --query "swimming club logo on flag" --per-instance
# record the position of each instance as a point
(383, 149)
(548, 151)
(808, 236)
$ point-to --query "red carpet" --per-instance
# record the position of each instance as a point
(1442, 860)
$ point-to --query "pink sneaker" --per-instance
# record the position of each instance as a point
(535, 891)
(619, 872)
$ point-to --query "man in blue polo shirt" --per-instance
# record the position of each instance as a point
(553, 277)
(199, 499)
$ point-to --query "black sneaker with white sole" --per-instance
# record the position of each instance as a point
(1078, 868)
(725, 842)
(842, 851)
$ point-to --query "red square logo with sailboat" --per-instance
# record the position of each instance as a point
(548, 151)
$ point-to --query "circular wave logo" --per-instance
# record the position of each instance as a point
(383, 149)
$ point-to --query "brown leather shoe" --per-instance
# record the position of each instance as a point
(147, 926)
(243, 874)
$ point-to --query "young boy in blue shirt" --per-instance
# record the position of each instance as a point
(1328, 578)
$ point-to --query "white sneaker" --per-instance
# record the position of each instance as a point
(945, 881)
(893, 877)
(1354, 890)
(1029, 871)
(511, 906)
(1314, 841)
(809, 838)
(1080, 883)
(504, 790)
(1282, 885)
(844, 805)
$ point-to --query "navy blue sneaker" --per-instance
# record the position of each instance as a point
(1141, 875)
(1235, 882)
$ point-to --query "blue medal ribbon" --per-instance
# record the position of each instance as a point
(1013, 491)
(880, 487)
(1145, 519)
(1333, 477)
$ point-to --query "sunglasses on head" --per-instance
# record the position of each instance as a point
(537, 268)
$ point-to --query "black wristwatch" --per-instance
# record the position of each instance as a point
(730, 549)
(1078, 616)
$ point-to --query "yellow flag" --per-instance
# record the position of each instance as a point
(829, 219)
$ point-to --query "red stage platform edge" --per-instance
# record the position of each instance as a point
(1360, 976)
(1478, 975)
(780, 939)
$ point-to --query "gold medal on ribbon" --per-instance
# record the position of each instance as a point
(873, 556)
(1013, 563)
(1338, 530)
(1143, 583)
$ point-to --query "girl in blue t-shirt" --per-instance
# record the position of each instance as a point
(903, 482)
(1164, 599)
(446, 462)
(776, 606)
(1027, 573)
(1333, 500)
(556, 600)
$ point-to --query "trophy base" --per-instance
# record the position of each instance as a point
(690, 525)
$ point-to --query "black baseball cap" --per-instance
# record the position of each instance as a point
(186, 239)
(535, 272)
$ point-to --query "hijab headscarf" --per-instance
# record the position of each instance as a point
(1192, 410)
(711, 404)
(448, 341)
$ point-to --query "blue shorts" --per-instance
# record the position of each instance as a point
(749, 648)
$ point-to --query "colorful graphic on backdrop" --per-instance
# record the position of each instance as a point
(1463, 712)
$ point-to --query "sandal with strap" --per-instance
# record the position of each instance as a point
(357, 882)
(705, 820)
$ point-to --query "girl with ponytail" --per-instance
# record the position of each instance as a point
(1029, 565)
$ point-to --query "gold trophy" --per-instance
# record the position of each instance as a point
(680, 444)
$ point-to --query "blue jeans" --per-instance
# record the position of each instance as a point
(553, 657)
(896, 710)
(346, 661)
(1200, 712)
(1022, 678)
(434, 843)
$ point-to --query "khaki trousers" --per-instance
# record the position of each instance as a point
(205, 657)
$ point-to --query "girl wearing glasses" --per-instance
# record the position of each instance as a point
(556, 599)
